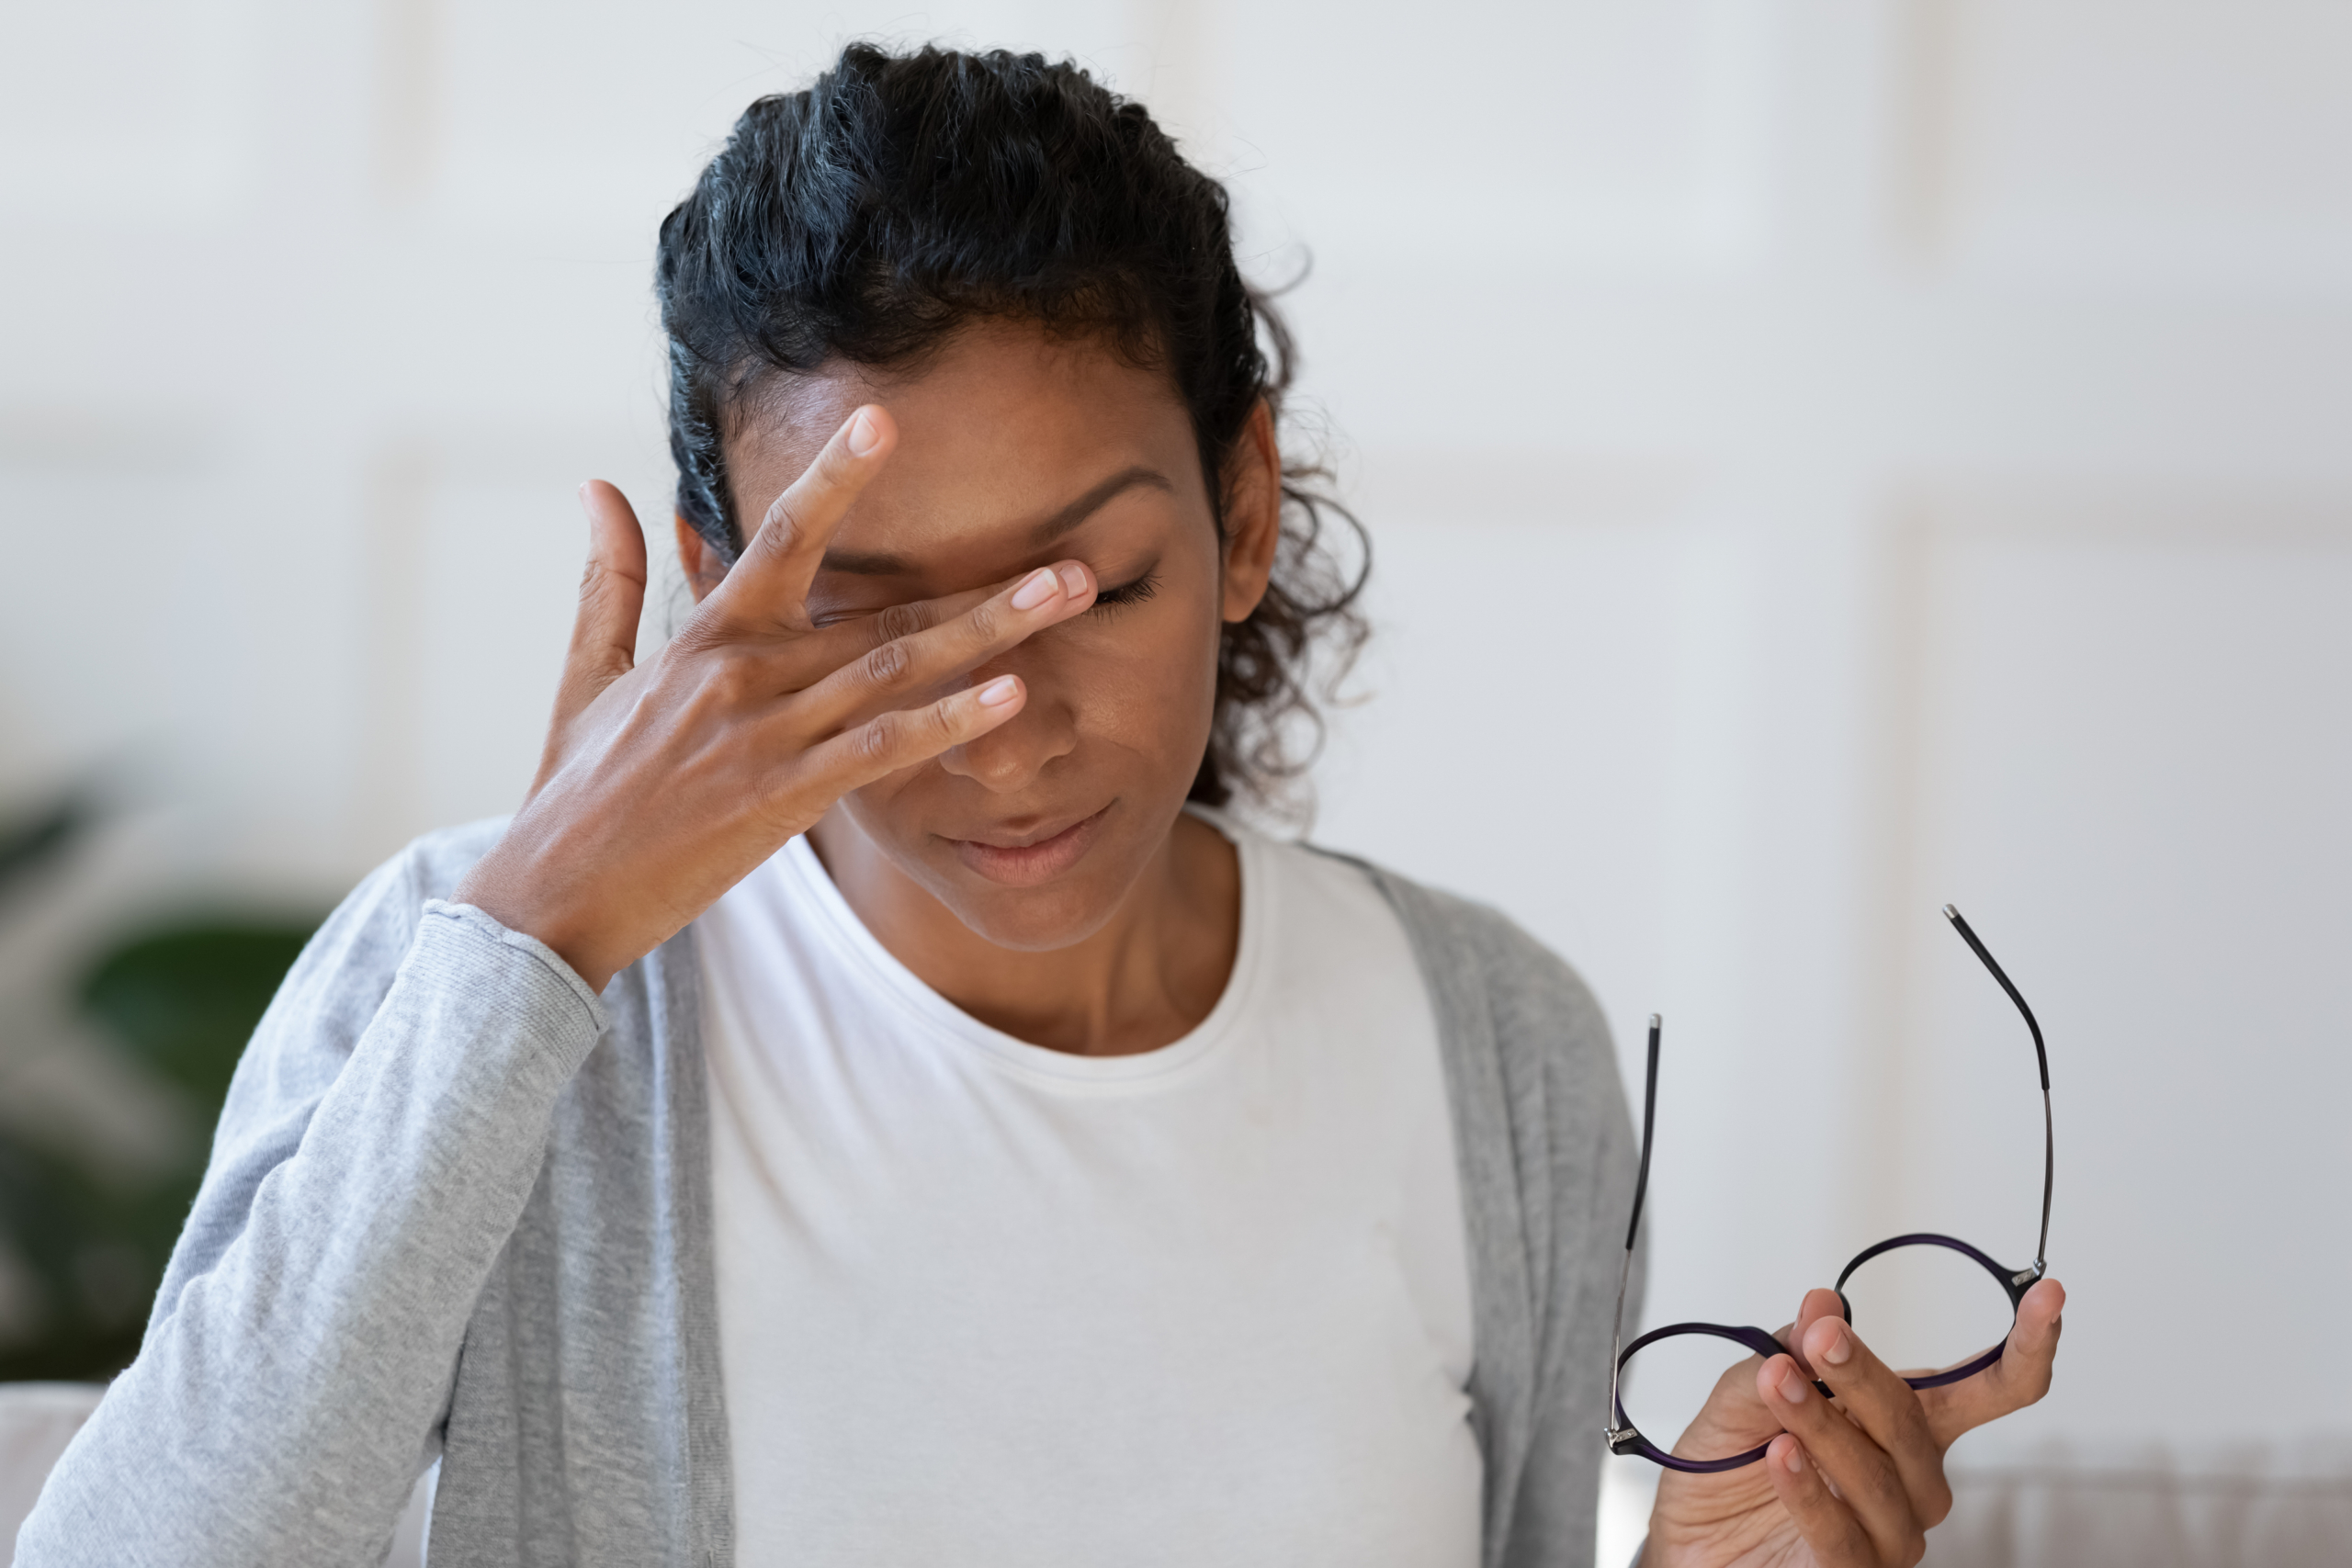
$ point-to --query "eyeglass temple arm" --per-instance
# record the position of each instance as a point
(1634, 1226)
(2042, 1057)
(1650, 1124)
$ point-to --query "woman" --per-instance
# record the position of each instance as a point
(868, 1106)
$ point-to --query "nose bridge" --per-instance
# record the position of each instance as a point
(1010, 757)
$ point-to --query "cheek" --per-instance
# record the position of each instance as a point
(1146, 680)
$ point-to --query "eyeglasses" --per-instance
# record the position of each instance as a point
(1625, 1439)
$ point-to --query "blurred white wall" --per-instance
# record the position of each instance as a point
(1825, 459)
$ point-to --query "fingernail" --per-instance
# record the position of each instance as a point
(1793, 1384)
(1840, 1349)
(1794, 1459)
(1042, 585)
(862, 433)
(998, 692)
(1073, 578)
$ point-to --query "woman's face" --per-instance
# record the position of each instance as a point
(1016, 451)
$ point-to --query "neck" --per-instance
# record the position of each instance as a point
(1143, 979)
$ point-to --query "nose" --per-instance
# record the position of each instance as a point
(1008, 758)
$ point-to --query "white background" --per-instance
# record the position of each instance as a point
(1825, 459)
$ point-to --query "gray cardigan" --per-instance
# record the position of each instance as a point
(458, 1204)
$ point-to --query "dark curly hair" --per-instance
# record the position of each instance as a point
(901, 196)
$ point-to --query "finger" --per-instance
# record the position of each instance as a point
(1838, 1539)
(770, 585)
(1889, 1411)
(1864, 1476)
(1818, 1304)
(612, 596)
(2018, 1379)
(900, 669)
(904, 738)
(828, 648)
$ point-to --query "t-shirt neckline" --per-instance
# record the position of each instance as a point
(847, 933)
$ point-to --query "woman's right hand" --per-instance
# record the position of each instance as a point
(661, 786)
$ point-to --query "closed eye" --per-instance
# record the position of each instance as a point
(1111, 600)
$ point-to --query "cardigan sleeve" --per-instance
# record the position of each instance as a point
(381, 1137)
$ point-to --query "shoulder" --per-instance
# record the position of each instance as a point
(377, 918)
(349, 964)
(1527, 990)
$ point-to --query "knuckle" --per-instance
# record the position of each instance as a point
(781, 528)
(603, 585)
(888, 666)
(785, 813)
(1879, 1482)
(702, 636)
(877, 738)
(899, 621)
(985, 623)
(731, 678)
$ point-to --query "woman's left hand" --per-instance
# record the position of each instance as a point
(1856, 1484)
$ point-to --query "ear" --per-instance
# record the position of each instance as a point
(1253, 516)
(704, 569)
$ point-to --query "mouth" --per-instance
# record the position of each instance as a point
(1025, 861)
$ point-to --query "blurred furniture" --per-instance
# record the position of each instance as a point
(37, 1419)
(2071, 1505)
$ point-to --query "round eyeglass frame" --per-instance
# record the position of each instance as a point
(1625, 1438)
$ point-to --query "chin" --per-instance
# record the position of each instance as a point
(1039, 908)
(1036, 920)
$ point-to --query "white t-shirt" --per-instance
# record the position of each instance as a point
(990, 1304)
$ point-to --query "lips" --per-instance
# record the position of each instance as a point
(1020, 861)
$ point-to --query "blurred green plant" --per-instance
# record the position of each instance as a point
(183, 999)
(178, 999)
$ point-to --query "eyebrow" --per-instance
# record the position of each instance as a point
(880, 563)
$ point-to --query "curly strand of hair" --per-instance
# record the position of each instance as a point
(1279, 668)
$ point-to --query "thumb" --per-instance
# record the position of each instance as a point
(2018, 1379)
(612, 595)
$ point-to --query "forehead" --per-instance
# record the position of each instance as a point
(1003, 425)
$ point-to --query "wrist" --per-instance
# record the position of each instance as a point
(510, 900)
